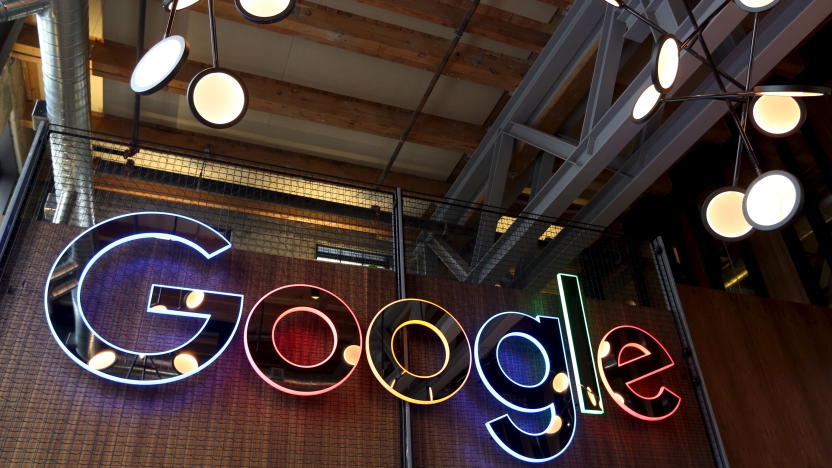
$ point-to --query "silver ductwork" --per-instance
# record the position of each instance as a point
(63, 30)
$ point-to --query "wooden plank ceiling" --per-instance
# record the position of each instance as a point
(337, 81)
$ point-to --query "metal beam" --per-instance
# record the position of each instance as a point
(605, 74)
(543, 141)
(780, 31)
(576, 33)
(494, 190)
(593, 154)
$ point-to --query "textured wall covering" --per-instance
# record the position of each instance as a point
(767, 366)
(52, 411)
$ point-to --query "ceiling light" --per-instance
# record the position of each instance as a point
(777, 116)
(792, 90)
(755, 5)
(772, 200)
(185, 363)
(665, 62)
(646, 104)
(103, 359)
(615, 3)
(159, 65)
(723, 216)
(265, 11)
(180, 5)
(194, 299)
(217, 97)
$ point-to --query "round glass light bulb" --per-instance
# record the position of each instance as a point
(185, 363)
(103, 359)
(777, 115)
(756, 5)
(615, 3)
(666, 63)
(265, 11)
(646, 103)
(723, 215)
(194, 299)
(159, 65)
(182, 4)
(772, 200)
(217, 98)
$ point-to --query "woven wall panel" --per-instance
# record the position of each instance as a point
(53, 412)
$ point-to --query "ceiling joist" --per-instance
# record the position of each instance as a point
(389, 42)
(290, 100)
(489, 22)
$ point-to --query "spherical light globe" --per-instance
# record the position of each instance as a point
(265, 11)
(756, 6)
(772, 200)
(646, 104)
(777, 116)
(217, 97)
(723, 217)
(665, 62)
(159, 65)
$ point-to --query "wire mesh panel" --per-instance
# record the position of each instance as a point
(284, 228)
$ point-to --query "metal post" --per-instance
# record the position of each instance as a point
(21, 190)
(674, 304)
(400, 266)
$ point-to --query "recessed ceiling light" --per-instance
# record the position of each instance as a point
(265, 11)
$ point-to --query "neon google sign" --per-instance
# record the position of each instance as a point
(626, 355)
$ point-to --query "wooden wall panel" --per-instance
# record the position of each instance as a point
(768, 367)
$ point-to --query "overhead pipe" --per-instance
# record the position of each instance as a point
(440, 68)
(17, 9)
(63, 32)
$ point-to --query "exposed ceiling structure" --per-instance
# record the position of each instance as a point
(531, 115)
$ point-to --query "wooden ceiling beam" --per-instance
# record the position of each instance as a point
(290, 100)
(262, 156)
(396, 44)
(559, 3)
(499, 25)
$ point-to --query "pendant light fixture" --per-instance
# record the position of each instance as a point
(265, 11)
(180, 5)
(773, 198)
(162, 62)
(217, 97)
(722, 214)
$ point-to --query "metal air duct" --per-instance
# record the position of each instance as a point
(63, 31)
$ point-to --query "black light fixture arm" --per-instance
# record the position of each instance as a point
(170, 18)
(212, 22)
(747, 107)
(714, 69)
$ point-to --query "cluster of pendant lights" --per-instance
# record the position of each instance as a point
(774, 197)
(217, 96)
